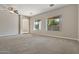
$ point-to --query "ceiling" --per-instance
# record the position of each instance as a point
(32, 9)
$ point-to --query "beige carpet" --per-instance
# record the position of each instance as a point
(35, 44)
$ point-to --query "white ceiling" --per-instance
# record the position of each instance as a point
(32, 9)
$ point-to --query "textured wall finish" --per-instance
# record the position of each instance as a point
(8, 23)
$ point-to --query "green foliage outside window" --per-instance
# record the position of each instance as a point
(52, 22)
(37, 25)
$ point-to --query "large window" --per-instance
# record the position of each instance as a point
(37, 25)
(53, 23)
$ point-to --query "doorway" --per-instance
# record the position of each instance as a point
(24, 26)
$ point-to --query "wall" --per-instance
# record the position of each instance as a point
(78, 22)
(8, 23)
(69, 22)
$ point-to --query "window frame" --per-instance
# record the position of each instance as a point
(60, 24)
(40, 22)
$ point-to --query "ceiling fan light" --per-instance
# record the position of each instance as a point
(12, 12)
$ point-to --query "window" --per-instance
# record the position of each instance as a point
(37, 25)
(53, 23)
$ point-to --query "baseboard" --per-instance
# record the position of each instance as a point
(8, 35)
(44, 35)
(78, 40)
(57, 36)
(13, 34)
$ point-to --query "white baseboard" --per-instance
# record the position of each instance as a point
(13, 34)
(44, 35)
(57, 36)
(8, 35)
(78, 40)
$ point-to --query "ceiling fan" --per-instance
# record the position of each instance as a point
(51, 5)
(12, 10)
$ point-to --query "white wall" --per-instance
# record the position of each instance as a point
(78, 22)
(69, 22)
(8, 23)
